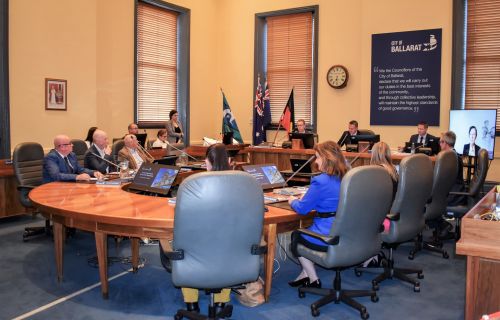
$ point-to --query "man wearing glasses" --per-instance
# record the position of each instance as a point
(60, 164)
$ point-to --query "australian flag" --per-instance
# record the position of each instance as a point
(228, 121)
(261, 113)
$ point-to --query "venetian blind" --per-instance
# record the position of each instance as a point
(156, 64)
(482, 87)
(289, 63)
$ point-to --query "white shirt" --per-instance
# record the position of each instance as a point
(158, 143)
(137, 157)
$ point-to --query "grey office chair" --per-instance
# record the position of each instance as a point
(355, 234)
(217, 231)
(444, 176)
(473, 192)
(117, 146)
(406, 216)
(79, 148)
(28, 168)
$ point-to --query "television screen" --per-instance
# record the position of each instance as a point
(474, 128)
(154, 178)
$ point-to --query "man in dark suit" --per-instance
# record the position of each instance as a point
(425, 139)
(301, 127)
(60, 164)
(352, 130)
(97, 152)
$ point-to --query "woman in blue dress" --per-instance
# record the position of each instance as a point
(322, 196)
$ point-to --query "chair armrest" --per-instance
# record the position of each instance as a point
(25, 188)
(393, 216)
(175, 254)
(461, 193)
(326, 239)
(258, 250)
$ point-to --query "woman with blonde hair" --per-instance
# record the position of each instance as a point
(381, 155)
(322, 196)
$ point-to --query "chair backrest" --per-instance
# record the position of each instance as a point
(79, 148)
(117, 146)
(218, 217)
(365, 199)
(28, 167)
(414, 189)
(365, 131)
(445, 174)
(480, 172)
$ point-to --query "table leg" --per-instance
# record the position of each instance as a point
(135, 254)
(269, 261)
(58, 230)
(102, 259)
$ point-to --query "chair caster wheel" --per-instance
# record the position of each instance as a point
(302, 295)
(416, 288)
(411, 256)
(178, 317)
(364, 315)
(445, 255)
(314, 312)
(420, 275)
(375, 286)
(358, 273)
(374, 298)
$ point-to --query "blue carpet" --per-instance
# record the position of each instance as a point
(28, 281)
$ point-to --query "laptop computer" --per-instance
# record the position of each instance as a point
(155, 178)
(298, 163)
(267, 175)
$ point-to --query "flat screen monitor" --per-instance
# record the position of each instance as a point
(298, 163)
(153, 177)
(141, 137)
(267, 175)
(167, 160)
(307, 138)
(474, 127)
(371, 138)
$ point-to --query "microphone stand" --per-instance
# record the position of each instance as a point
(147, 153)
(182, 151)
(357, 157)
(343, 139)
(107, 161)
(298, 170)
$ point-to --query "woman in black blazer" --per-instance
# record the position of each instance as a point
(472, 138)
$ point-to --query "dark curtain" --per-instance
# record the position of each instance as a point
(4, 81)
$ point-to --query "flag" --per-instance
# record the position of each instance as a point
(228, 121)
(287, 118)
(261, 114)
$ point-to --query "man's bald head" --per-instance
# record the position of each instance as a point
(100, 139)
(63, 145)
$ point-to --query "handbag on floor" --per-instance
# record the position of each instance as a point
(253, 294)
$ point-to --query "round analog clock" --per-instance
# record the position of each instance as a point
(337, 77)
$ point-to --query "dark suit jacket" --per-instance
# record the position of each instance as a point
(430, 142)
(345, 138)
(54, 168)
(467, 149)
(94, 163)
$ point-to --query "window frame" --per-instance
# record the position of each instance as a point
(183, 63)
(260, 58)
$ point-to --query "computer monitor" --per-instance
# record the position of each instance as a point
(141, 137)
(371, 138)
(308, 139)
(267, 175)
(167, 160)
(155, 178)
(298, 163)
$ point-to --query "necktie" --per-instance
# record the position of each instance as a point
(68, 165)
(420, 139)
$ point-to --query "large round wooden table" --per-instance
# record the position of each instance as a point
(110, 210)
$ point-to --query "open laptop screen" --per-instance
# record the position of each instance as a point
(154, 178)
(298, 163)
(267, 175)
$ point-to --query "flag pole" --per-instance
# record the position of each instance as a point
(279, 124)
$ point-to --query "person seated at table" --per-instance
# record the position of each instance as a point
(133, 153)
(216, 159)
(161, 140)
(301, 127)
(60, 164)
(97, 152)
(174, 129)
(322, 196)
(90, 134)
(352, 130)
(471, 149)
(422, 138)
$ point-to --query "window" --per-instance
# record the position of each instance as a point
(162, 68)
(286, 53)
(482, 63)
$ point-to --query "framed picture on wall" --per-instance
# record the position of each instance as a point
(56, 93)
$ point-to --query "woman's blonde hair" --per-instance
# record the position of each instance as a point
(381, 155)
(333, 160)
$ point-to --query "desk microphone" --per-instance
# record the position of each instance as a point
(298, 170)
(182, 151)
(357, 157)
(146, 151)
(343, 139)
(102, 158)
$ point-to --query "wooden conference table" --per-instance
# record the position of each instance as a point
(110, 210)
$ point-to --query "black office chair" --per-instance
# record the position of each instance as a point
(79, 148)
(365, 132)
(217, 230)
(355, 234)
(406, 217)
(28, 168)
(117, 146)
(473, 192)
(444, 176)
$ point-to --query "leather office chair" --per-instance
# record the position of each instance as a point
(117, 146)
(365, 132)
(406, 216)
(217, 230)
(473, 191)
(28, 168)
(79, 148)
(444, 176)
(355, 234)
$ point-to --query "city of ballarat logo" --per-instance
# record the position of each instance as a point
(399, 46)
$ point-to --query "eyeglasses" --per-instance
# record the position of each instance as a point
(442, 141)
(65, 144)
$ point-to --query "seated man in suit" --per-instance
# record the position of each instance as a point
(60, 164)
(352, 130)
(133, 153)
(425, 139)
(97, 152)
(301, 127)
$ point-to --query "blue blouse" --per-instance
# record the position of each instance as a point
(322, 196)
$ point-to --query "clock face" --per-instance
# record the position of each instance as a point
(337, 77)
